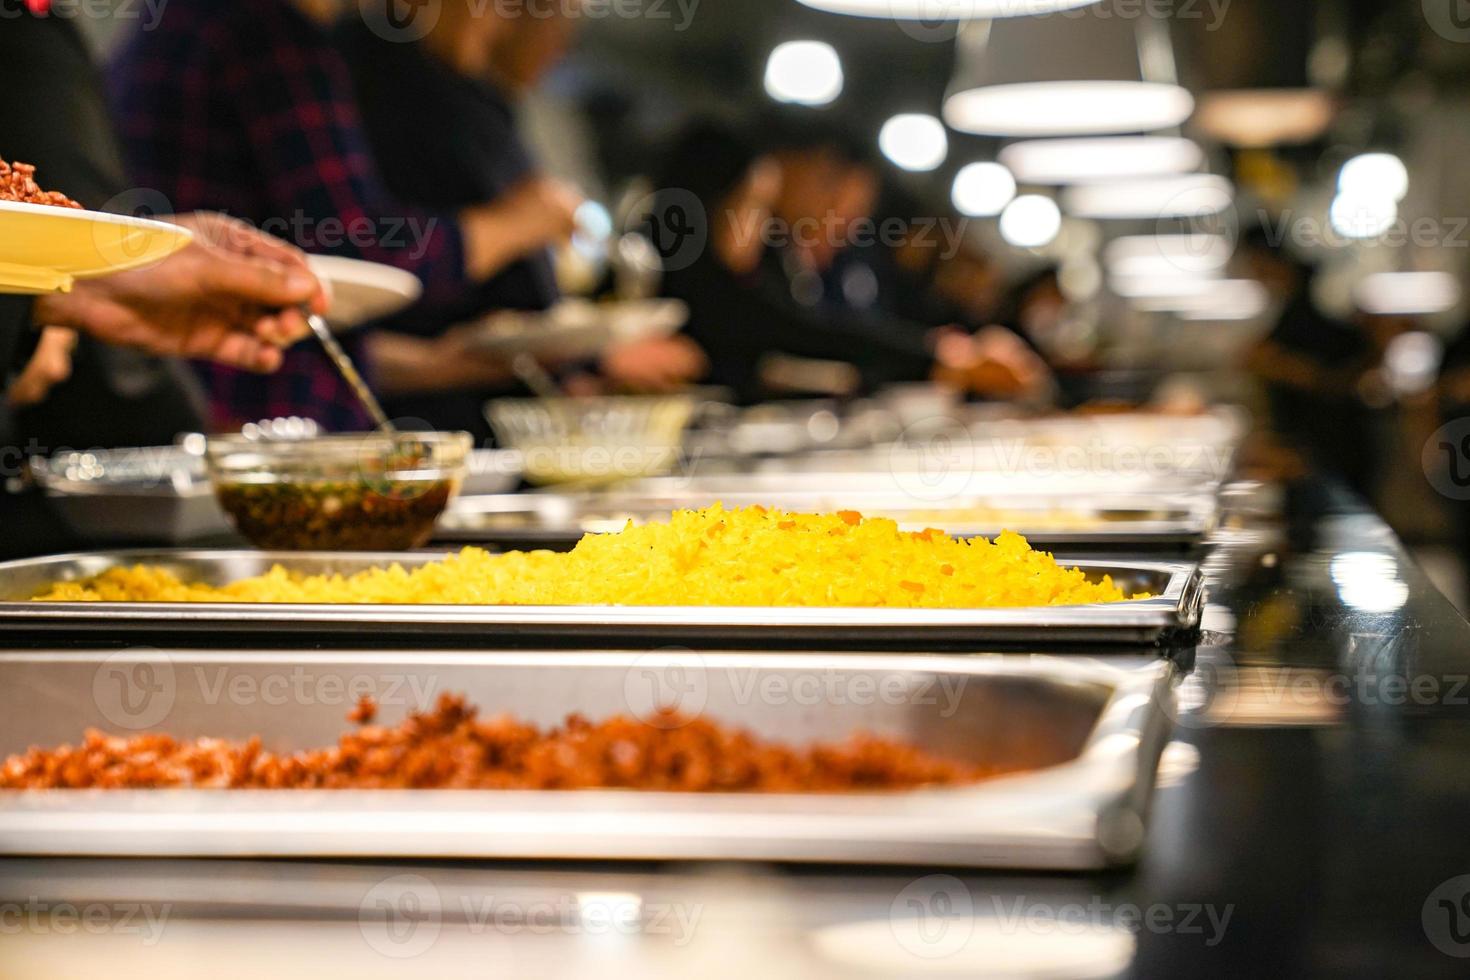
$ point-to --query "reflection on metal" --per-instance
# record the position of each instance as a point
(1179, 761)
(1369, 581)
(1266, 697)
(935, 936)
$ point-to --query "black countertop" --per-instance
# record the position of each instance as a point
(1311, 821)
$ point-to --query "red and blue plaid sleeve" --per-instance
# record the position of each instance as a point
(295, 104)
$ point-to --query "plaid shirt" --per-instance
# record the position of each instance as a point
(245, 108)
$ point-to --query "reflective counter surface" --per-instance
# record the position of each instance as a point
(1310, 820)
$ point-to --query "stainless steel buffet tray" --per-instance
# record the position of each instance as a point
(163, 495)
(1101, 521)
(1177, 590)
(1088, 734)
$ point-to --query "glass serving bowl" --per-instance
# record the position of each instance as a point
(358, 492)
(592, 441)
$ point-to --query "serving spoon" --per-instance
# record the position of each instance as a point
(349, 372)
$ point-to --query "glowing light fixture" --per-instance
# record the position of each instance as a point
(1209, 299)
(804, 73)
(1362, 216)
(1065, 161)
(1142, 256)
(1407, 293)
(982, 189)
(914, 141)
(1374, 175)
(1189, 196)
(1065, 76)
(939, 10)
(1031, 221)
(1265, 117)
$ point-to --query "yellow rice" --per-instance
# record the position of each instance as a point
(748, 557)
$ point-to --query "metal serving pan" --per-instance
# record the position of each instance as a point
(163, 495)
(1177, 588)
(151, 494)
(1087, 733)
(1111, 522)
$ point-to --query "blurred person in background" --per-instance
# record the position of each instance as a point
(68, 380)
(441, 114)
(719, 194)
(1319, 373)
(1452, 399)
(249, 109)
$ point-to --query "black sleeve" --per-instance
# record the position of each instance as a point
(738, 323)
(18, 337)
(54, 113)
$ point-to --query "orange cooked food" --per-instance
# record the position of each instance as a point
(452, 748)
(18, 183)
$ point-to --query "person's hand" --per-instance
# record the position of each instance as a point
(660, 365)
(407, 365)
(227, 235)
(48, 367)
(994, 363)
(233, 295)
(545, 207)
(537, 213)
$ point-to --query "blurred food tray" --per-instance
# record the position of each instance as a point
(577, 328)
(1110, 522)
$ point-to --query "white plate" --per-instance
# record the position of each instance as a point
(576, 328)
(45, 248)
(364, 291)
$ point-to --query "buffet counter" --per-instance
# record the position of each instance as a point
(1308, 816)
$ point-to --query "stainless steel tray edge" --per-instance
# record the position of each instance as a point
(1176, 608)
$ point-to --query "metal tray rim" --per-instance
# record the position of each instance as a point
(1177, 607)
(1045, 818)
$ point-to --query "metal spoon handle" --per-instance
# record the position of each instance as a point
(535, 377)
(349, 372)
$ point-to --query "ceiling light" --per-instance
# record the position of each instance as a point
(1190, 196)
(1407, 293)
(982, 189)
(938, 10)
(1065, 76)
(1061, 108)
(1030, 221)
(914, 141)
(1257, 118)
(804, 73)
(1210, 299)
(1374, 175)
(1064, 161)
(1362, 216)
(1138, 256)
